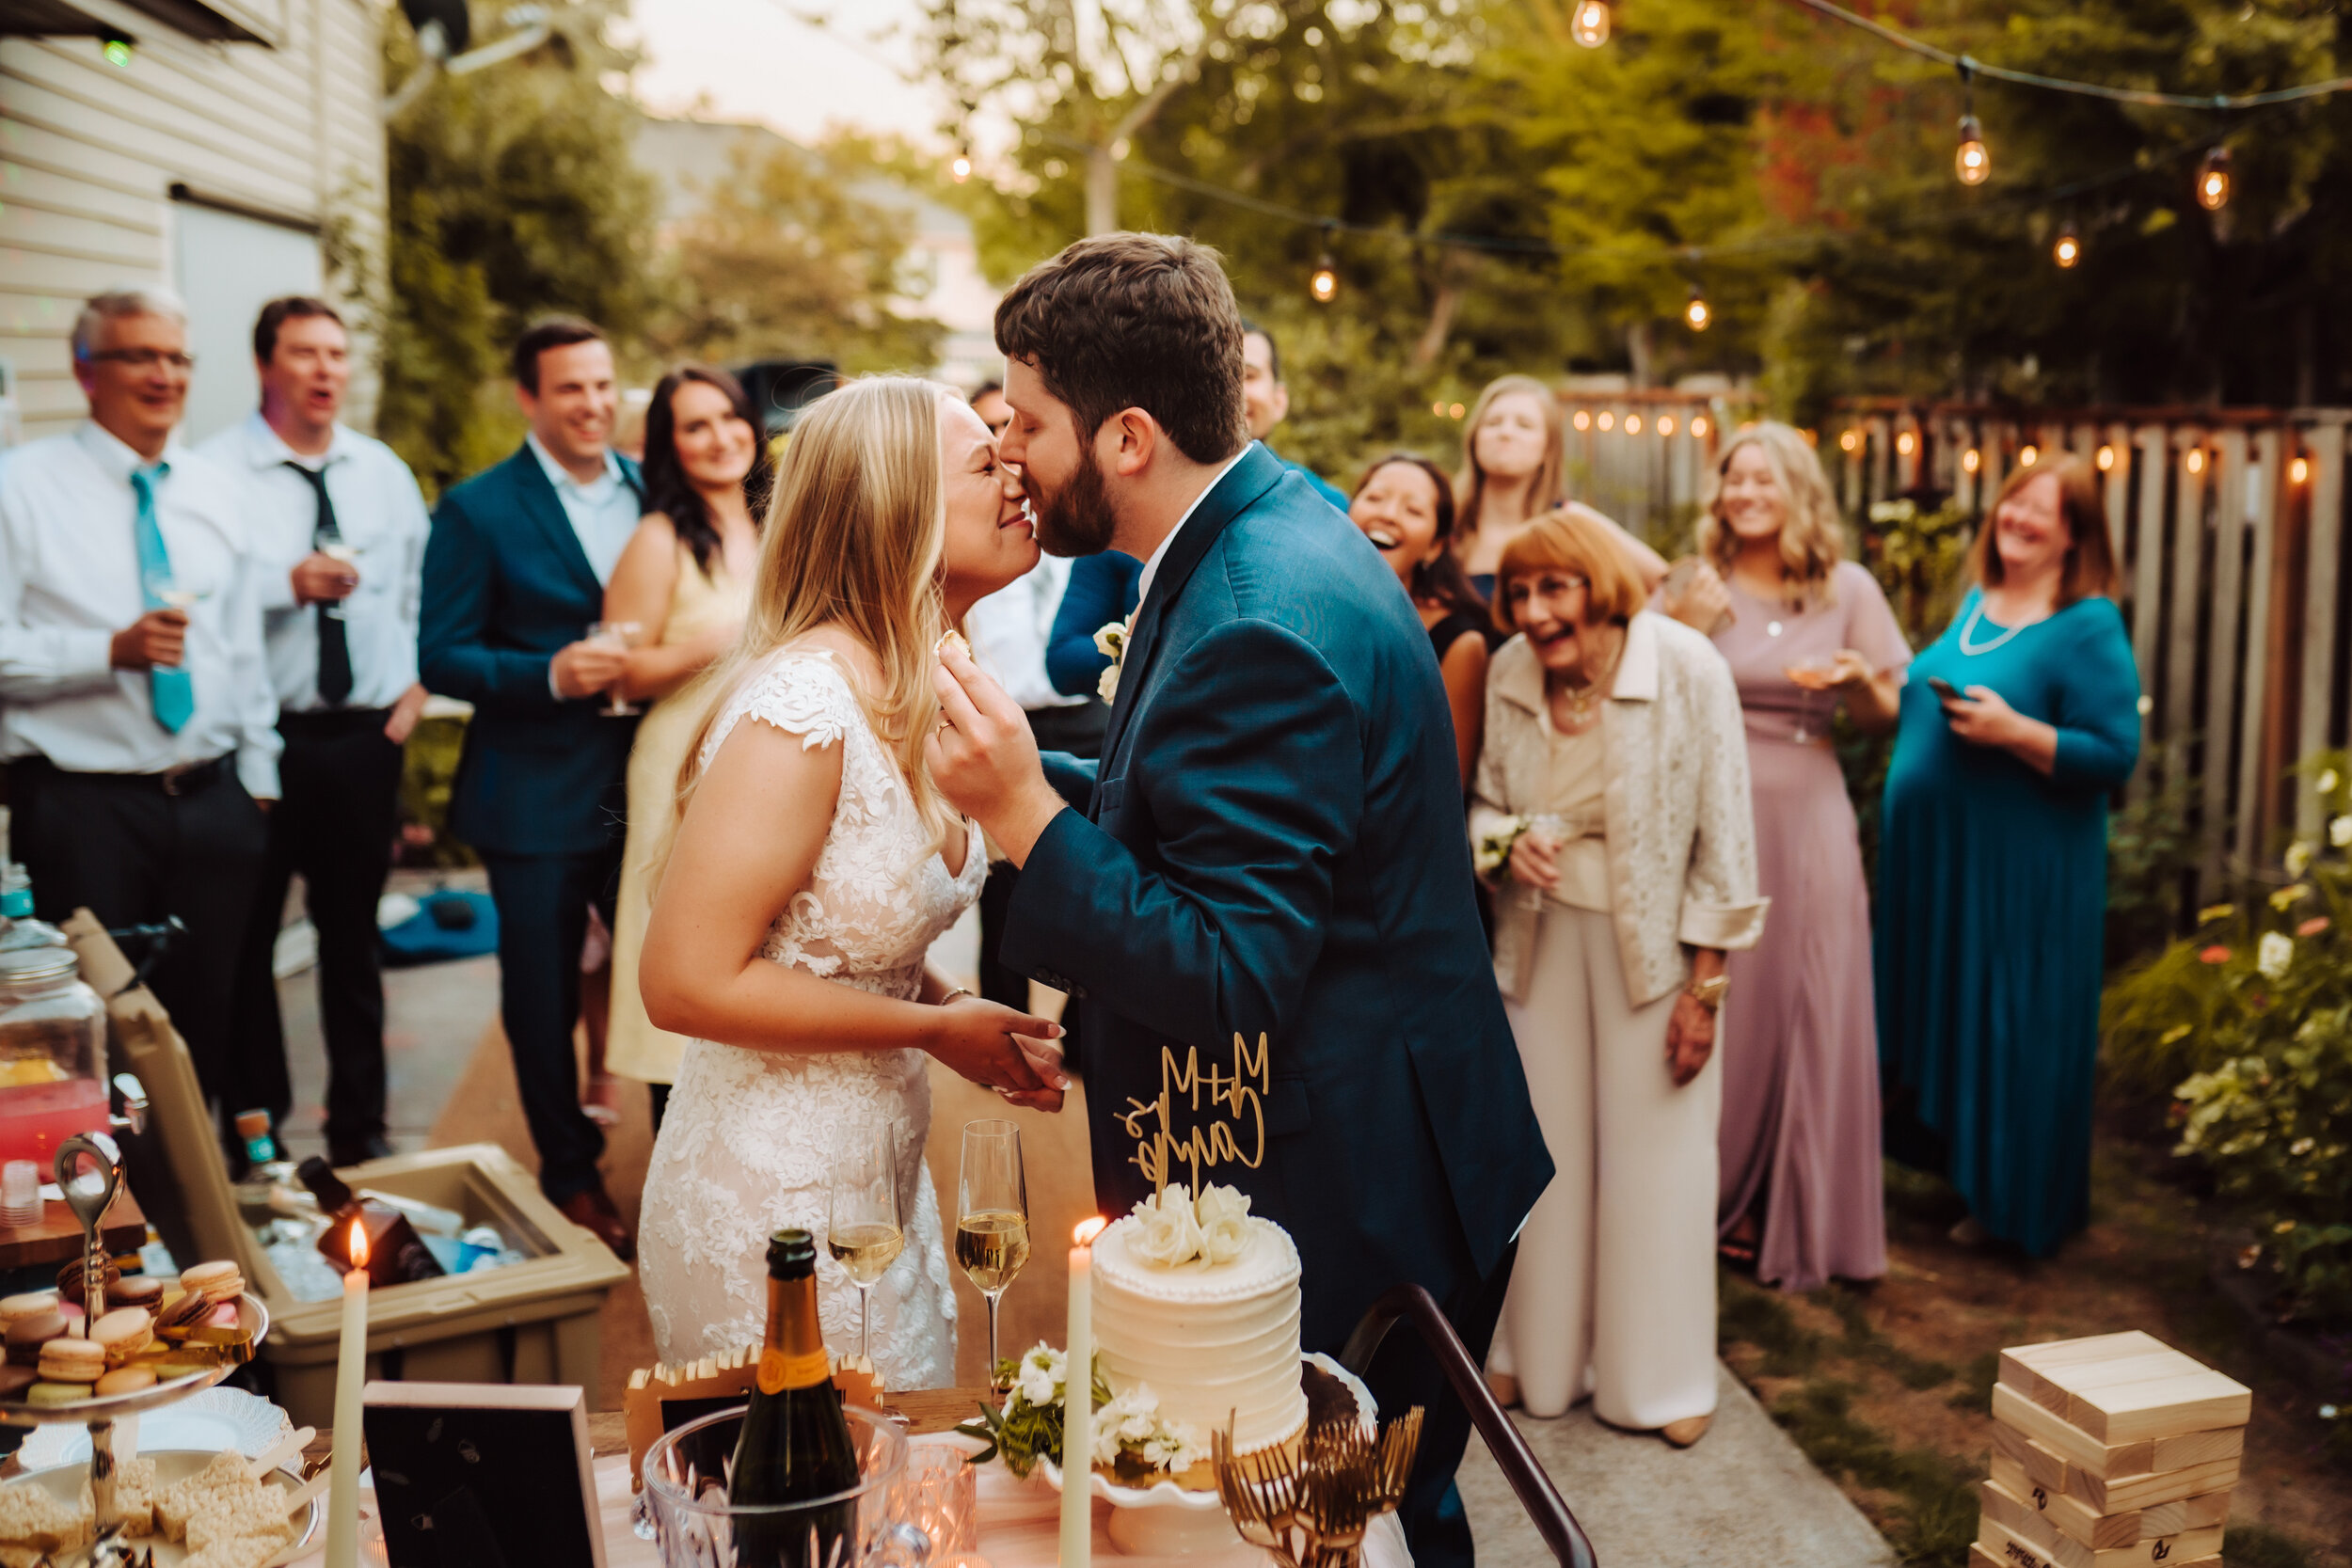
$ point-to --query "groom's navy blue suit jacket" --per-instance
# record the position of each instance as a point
(1273, 843)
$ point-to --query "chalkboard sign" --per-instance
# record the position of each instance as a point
(482, 1475)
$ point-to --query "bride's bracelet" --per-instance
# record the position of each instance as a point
(960, 990)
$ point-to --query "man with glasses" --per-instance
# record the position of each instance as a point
(338, 528)
(136, 711)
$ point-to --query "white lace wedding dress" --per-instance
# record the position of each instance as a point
(749, 1141)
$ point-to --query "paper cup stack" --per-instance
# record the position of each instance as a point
(2109, 1451)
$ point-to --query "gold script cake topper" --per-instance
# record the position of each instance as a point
(1236, 1100)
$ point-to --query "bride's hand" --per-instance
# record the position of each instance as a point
(1046, 1060)
(981, 1041)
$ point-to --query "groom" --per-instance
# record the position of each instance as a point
(1271, 845)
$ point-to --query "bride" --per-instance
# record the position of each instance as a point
(811, 866)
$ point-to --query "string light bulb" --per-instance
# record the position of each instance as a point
(1665, 424)
(115, 48)
(1696, 313)
(1324, 285)
(2197, 460)
(1906, 443)
(2299, 471)
(1972, 162)
(1634, 425)
(2213, 181)
(2107, 459)
(1698, 427)
(961, 168)
(2029, 456)
(1849, 440)
(1589, 26)
(2069, 249)
(1970, 461)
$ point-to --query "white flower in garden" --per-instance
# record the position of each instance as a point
(2300, 1147)
(2298, 858)
(2340, 832)
(2273, 953)
(1224, 1223)
(1171, 1232)
(2328, 781)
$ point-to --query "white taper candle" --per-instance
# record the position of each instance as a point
(1078, 1411)
(351, 1375)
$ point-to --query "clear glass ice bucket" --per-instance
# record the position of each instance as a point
(693, 1524)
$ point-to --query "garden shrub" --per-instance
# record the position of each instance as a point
(2250, 1019)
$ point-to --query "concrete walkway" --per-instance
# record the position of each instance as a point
(1742, 1494)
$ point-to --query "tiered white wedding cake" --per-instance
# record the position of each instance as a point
(1199, 1301)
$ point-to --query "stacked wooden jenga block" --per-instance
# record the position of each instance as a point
(2109, 1451)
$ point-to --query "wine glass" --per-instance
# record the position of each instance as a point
(348, 555)
(993, 1216)
(1818, 668)
(862, 1224)
(621, 635)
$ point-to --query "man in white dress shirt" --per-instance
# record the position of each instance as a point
(337, 528)
(136, 712)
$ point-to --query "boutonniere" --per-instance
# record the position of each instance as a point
(1110, 641)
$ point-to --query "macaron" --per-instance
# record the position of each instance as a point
(15, 1380)
(72, 1278)
(216, 1281)
(122, 1334)
(27, 1334)
(32, 1303)
(57, 1393)
(72, 1360)
(124, 1380)
(136, 1290)
(74, 1315)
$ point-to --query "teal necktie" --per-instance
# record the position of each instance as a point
(172, 692)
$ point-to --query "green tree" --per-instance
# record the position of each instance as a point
(512, 194)
(799, 254)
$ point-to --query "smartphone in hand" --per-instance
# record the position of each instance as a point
(1942, 688)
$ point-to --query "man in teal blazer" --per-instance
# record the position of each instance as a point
(513, 576)
(1271, 846)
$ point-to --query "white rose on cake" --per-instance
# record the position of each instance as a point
(1224, 1216)
(1171, 1231)
(1039, 1379)
(1129, 1420)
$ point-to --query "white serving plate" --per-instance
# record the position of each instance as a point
(208, 1421)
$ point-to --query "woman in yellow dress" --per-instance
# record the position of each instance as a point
(687, 571)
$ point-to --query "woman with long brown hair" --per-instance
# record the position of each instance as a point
(813, 863)
(2016, 725)
(1405, 506)
(1515, 471)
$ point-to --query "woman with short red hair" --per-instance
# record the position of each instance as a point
(1611, 808)
(2015, 725)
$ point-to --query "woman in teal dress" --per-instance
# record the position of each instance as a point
(1992, 865)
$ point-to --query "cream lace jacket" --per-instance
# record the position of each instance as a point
(1681, 832)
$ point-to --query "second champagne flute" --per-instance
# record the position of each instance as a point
(992, 1216)
(621, 635)
(862, 1223)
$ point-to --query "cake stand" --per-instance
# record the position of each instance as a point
(89, 1202)
(1166, 1520)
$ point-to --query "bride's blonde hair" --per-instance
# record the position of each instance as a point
(854, 539)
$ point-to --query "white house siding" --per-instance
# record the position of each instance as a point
(89, 153)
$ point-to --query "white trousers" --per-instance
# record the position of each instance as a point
(1613, 1293)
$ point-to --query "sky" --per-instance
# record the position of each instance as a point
(753, 59)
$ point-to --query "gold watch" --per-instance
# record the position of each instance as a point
(1709, 993)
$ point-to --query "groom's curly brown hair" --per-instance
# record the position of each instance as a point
(1135, 321)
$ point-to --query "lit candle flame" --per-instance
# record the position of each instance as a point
(358, 1245)
(1088, 1229)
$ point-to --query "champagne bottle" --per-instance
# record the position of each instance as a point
(397, 1254)
(796, 1442)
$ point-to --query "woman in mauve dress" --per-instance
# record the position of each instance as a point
(1800, 1138)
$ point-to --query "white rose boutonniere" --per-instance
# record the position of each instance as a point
(1224, 1215)
(1171, 1231)
(1110, 641)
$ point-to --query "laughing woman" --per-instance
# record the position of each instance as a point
(1992, 865)
(1613, 795)
(1405, 506)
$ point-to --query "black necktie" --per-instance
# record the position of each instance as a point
(334, 650)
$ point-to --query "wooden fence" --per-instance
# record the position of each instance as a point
(2230, 528)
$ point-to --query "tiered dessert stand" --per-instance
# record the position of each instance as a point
(89, 1193)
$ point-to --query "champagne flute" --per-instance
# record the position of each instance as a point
(348, 555)
(621, 635)
(993, 1216)
(1818, 668)
(862, 1224)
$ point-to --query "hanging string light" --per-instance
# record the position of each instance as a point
(1696, 313)
(961, 168)
(2213, 180)
(1324, 284)
(2069, 249)
(1589, 26)
(1972, 161)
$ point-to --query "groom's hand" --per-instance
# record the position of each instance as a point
(984, 759)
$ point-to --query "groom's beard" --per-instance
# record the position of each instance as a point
(1075, 519)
